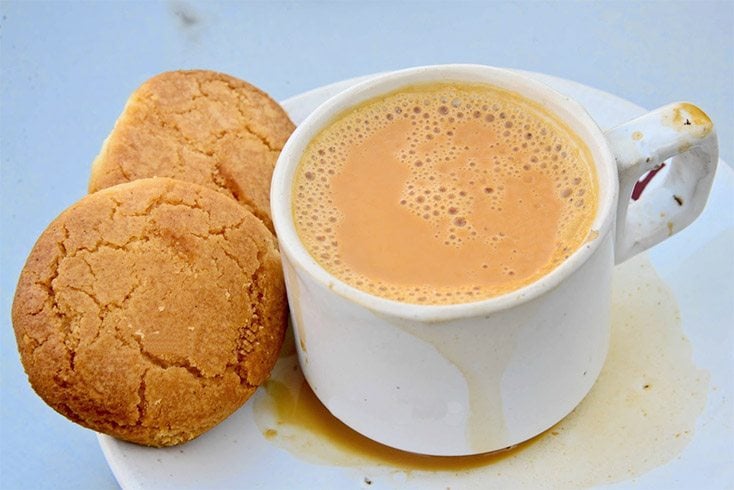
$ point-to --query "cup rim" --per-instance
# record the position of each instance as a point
(293, 250)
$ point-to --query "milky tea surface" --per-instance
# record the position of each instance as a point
(444, 193)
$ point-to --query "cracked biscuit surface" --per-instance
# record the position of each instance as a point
(200, 126)
(151, 310)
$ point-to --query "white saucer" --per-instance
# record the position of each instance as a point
(236, 455)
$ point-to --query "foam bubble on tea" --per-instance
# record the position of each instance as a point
(444, 193)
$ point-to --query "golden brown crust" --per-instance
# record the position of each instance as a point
(200, 126)
(151, 310)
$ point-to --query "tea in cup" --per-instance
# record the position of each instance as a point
(448, 235)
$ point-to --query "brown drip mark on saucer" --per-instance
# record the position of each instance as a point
(646, 401)
(303, 409)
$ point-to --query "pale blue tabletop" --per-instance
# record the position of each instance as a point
(67, 69)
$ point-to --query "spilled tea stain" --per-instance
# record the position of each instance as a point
(639, 415)
(300, 411)
(688, 118)
(486, 425)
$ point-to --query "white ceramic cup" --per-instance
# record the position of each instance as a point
(477, 377)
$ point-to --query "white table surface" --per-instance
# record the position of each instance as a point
(66, 70)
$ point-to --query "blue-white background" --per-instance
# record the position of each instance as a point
(66, 69)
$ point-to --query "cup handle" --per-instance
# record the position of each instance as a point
(681, 131)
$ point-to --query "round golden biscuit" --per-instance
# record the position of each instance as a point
(200, 126)
(150, 311)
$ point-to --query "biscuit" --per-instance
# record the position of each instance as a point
(200, 126)
(151, 310)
